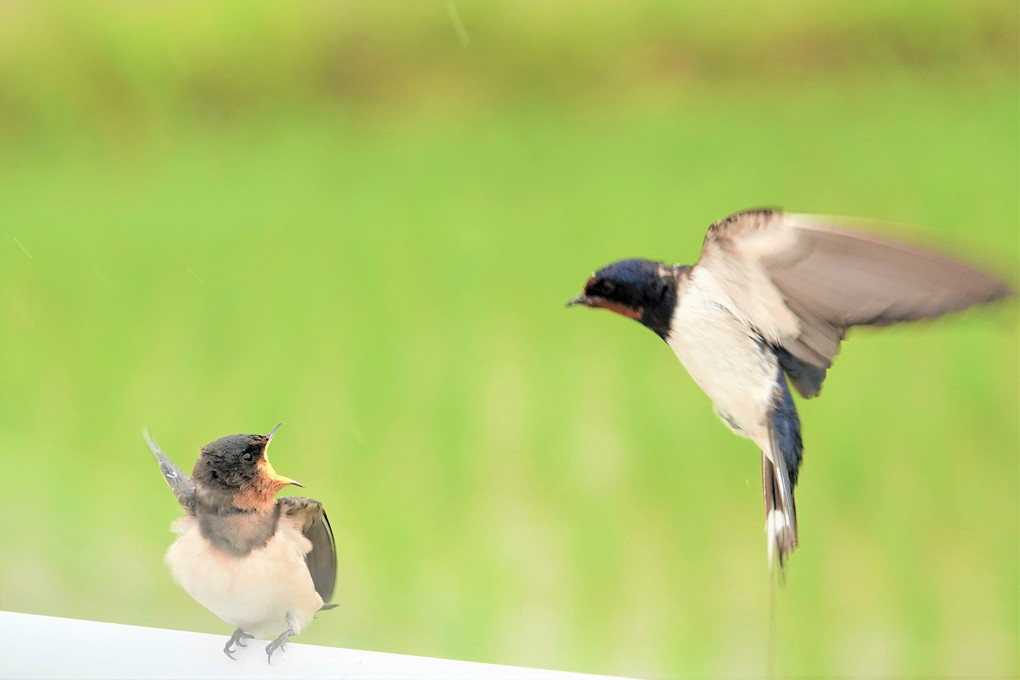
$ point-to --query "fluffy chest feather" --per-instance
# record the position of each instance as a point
(264, 592)
(725, 358)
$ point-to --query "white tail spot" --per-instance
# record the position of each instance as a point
(777, 528)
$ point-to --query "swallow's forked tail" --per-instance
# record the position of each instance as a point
(779, 466)
(780, 516)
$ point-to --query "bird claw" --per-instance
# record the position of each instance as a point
(278, 643)
(236, 639)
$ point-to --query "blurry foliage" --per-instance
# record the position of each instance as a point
(107, 62)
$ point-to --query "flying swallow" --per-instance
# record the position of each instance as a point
(766, 306)
(265, 565)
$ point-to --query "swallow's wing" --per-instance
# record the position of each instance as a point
(179, 482)
(800, 281)
(321, 559)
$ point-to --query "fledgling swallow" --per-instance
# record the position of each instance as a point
(769, 301)
(265, 565)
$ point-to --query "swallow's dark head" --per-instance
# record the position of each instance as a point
(638, 289)
(238, 465)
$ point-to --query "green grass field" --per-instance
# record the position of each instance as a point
(510, 481)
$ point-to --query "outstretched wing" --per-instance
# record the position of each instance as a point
(321, 559)
(800, 281)
(179, 482)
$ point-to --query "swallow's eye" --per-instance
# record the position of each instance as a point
(247, 456)
(660, 290)
(608, 287)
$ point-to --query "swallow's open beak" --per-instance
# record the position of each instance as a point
(267, 467)
(581, 299)
(268, 470)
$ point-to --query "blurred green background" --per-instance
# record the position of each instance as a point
(363, 219)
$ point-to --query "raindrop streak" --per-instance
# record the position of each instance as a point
(197, 277)
(23, 248)
(458, 25)
(634, 543)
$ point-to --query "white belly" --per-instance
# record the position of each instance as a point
(725, 359)
(264, 593)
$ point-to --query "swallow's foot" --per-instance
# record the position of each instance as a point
(236, 639)
(278, 643)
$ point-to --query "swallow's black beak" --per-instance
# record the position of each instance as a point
(581, 299)
(269, 437)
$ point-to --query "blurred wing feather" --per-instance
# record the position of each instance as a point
(800, 281)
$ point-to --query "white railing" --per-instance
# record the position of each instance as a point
(50, 647)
